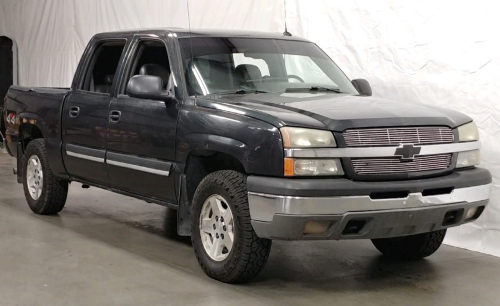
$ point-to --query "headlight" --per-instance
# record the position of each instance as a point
(312, 167)
(306, 138)
(468, 132)
(468, 159)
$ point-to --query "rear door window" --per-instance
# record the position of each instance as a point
(101, 71)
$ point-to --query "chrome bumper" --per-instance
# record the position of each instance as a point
(284, 217)
(263, 207)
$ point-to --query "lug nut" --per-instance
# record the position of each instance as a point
(221, 236)
(224, 228)
(221, 219)
(216, 218)
(214, 226)
(217, 235)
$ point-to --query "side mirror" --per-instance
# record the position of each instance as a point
(362, 86)
(148, 87)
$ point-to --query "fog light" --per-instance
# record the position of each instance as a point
(468, 158)
(471, 213)
(316, 227)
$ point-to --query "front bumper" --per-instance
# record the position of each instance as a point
(355, 210)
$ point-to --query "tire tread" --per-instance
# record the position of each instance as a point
(55, 191)
(411, 247)
(254, 250)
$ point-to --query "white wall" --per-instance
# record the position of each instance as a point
(440, 52)
(52, 34)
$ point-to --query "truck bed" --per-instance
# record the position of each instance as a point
(42, 105)
(39, 90)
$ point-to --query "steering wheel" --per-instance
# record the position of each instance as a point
(293, 76)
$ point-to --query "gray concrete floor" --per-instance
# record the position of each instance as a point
(107, 249)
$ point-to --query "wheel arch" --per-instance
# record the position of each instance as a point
(28, 132)
(199, 164)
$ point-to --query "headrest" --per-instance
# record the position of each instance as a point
(248, 72)
(108, 79)
(157, 70)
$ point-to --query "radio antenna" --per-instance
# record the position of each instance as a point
(286, 33)
(190, 39)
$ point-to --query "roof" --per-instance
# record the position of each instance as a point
(182, 33)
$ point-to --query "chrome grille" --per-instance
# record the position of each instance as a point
(377, 137)
(394, 165)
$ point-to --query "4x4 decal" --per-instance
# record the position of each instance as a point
(11, 117)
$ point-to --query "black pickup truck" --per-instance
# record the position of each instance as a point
(250, 137)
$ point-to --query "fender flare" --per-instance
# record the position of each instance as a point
(32, 119)
(216, 143)
(209, 143)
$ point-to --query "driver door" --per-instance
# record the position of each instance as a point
(141, 132)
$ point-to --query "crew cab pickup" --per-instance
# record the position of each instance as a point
(250, 137)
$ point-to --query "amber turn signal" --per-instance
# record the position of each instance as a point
(288, 166)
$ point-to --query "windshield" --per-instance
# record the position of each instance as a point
(239, 65)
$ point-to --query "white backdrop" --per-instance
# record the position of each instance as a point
(441, 52)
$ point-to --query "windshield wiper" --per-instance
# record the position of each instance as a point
(241, 92)
(313, 88)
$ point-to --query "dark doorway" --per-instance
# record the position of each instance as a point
(6, 76)
(6, 66)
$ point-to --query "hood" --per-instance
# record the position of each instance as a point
(333, 111)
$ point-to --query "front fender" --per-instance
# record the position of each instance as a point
(233, 147)
(256, 144)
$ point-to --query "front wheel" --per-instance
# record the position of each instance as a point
(410, 247)
(223, 238)
(45, 194)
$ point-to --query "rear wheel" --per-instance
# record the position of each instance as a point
(410, 247)
(44, 193)
(223, 238)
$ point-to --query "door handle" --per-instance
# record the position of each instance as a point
(114, 116)
(74, 111)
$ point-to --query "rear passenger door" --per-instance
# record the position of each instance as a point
(85, 113)
(141, 132)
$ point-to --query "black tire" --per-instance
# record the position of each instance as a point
(249, 253)
(54, 191)
(410, 247)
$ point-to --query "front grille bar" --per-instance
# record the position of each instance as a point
(394, 165)
(375, 137)
(379, 151)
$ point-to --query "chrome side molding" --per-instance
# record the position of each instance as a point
(144, 164)
(149, 165)
(86, 153)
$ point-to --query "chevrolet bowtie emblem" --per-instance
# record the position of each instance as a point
(407, 151)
